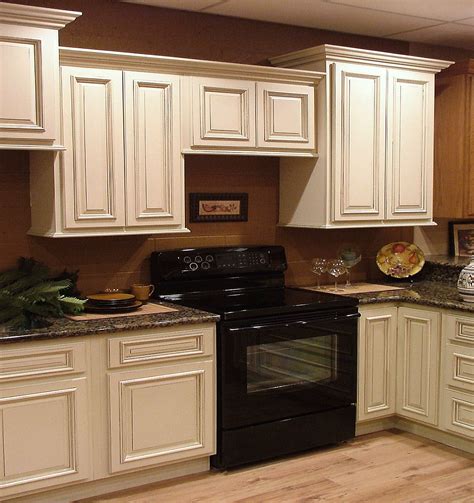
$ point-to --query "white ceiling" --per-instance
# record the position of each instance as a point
(440, 22)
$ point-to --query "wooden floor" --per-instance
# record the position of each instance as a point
(389, 466)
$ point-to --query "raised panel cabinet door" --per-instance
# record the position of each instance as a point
(457, 412)
(44, 438)
(29, 73)
(358, 102)
(410, 122)
(285, 116)
(154, 178)
(469, 199)
(418, 366)
(93, 163)
(377, 363)
(223, 112)
(161, 415)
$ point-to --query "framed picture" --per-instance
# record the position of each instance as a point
(218, 207)
(461, 238)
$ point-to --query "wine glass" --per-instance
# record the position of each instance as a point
(318, 267)
(351, 256)
(336, 268)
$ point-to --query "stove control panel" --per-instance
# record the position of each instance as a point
(202, 262)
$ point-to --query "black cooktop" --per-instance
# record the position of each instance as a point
(264, 302)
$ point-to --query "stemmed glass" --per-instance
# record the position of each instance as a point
(336, 268)
(351, 256)
(318, 267)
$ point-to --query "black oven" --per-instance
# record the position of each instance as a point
(293, 376)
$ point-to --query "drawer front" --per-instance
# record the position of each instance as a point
(164, 345)
(460, 328)
(42, 361)
(458, 412)
(459, 365)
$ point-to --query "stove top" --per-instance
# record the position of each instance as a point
(264, 302)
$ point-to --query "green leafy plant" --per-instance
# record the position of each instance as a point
(29, 295)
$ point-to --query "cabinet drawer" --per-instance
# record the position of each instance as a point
(458, 412)
(460, 328)
(42, 361)
(459, 365)
(164, 345)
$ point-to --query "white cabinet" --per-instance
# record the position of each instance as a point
(457, 386)
(418, 364)
(377, 362)
(375, 141)
(253, 117)
(29, 69)
(122, 172)
(93, 163)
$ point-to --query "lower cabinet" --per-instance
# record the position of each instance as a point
(418, 364)
(44, 435)
(160, 415)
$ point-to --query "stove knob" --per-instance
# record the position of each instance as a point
(198, 259)
(262, 260)
(193, 266)
(209, 258)
(205, 265)
(187, 259)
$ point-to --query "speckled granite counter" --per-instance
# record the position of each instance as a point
(427, 293)
(67, 328)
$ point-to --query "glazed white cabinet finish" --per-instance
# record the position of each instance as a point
(375, 141)
(154, 183)
(418, 364)
(377, 362)
(358, 132)
(29, 69)
(285, 116)
(93, 167)
(161, 415)
(223, 112)
(410, 145)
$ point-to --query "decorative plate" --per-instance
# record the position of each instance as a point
(111, 299)
(113, 310)
(400, 259)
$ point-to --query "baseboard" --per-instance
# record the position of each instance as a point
(81, 490)
(375, 425)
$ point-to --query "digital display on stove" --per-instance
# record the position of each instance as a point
(240, 260)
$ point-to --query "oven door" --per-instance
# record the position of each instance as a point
(283, 369)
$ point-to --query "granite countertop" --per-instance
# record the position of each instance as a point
(63, 327)
(427, 293)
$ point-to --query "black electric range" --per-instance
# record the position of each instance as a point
(286, 358)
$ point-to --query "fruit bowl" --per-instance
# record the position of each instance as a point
(400, 259)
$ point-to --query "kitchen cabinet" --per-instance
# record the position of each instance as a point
(418, 369)
(377, 362)
(29, 65)
(454, 142)
(107, 409)
(44, 408)
(375, 142)
(252, 116)
(457, 386)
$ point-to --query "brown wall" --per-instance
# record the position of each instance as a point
(118, 261)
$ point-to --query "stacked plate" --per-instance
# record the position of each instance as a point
(110, 303)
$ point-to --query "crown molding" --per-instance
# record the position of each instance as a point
(181, 66)
(27, 15)
(334, 53)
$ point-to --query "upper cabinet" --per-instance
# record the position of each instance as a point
(375, 142)
(29, 69)
(454, 142)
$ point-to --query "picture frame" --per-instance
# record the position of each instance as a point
(461, 238)
(218, 207)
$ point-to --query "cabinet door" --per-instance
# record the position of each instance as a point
(457, 412)
(161, 415)
(410, 145)
(29, 71)
(358, 104)
(44, 437)
(418, 364)
(285, 116)
(154, 178)
(93, 164)
(469, 198)
(223, 112)
(377, 363)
